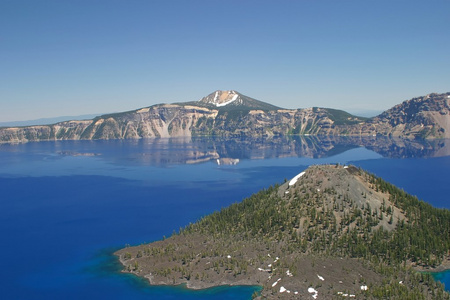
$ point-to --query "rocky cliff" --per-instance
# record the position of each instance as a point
(228, 113)
(422, 117)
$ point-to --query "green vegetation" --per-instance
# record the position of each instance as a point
(423, 237)
(341, 117)
(351, 222)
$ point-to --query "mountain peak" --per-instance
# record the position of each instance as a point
(221, 98)
(233, 100)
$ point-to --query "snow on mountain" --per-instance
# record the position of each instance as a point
(221, 98)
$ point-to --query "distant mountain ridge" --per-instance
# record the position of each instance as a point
(231, 114)
(46, 121)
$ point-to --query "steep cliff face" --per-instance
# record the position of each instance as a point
(70, 130)
(421, 117)
(165, 120)
(312, 121)
(232, 114)
(157, 121)
(427, 116)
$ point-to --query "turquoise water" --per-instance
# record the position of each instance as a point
(443, 277)
(66, 206)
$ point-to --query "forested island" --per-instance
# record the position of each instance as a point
(331, 232)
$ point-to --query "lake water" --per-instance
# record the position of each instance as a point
(66, 206)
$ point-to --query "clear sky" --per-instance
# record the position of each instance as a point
(77, 57)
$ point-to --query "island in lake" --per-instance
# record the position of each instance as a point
(332, 231)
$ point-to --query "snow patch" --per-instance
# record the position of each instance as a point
(320, 277)
(282, 289)
(364, 288)
(288, 273)
(346, 295)
(294, 180)
(314, 292)
(228, 102)
(276, 282)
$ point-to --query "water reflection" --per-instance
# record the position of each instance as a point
(173, 151)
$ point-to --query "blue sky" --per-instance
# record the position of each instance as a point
(81, 57)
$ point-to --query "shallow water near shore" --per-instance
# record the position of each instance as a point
(443, 277)
(66, 206)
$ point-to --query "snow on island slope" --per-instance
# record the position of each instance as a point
(294, 180)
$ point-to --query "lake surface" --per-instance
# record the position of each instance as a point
(66, 206)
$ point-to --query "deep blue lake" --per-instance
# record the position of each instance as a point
(66, 206)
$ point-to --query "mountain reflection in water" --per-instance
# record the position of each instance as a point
(173, 151)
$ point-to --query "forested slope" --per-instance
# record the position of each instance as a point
(333, 229)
